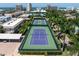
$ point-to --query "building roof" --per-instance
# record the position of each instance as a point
(39, 10)
(10, 36)
(4, 17)
(25, 15)
(13, 23)
(17, 13)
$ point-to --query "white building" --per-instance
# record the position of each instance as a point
(10, 37)
(16, 14)
(19, 7)
(62, 8)
(29, 7)
(8, 14)
(4, 19)
(25, 16)
(13, 25)
(39, 10)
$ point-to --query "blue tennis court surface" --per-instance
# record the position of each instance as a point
(39, 37)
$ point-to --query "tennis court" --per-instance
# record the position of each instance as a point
(39, 22)
(39, 38)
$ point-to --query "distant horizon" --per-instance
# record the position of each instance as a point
(40, 5)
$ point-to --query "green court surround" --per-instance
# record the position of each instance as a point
(52, 43)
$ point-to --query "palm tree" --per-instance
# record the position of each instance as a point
(74, 49)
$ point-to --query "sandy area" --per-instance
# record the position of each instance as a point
(9, 48)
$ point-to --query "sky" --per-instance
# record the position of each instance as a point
(68, 5)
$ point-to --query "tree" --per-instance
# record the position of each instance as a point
(1, 29)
